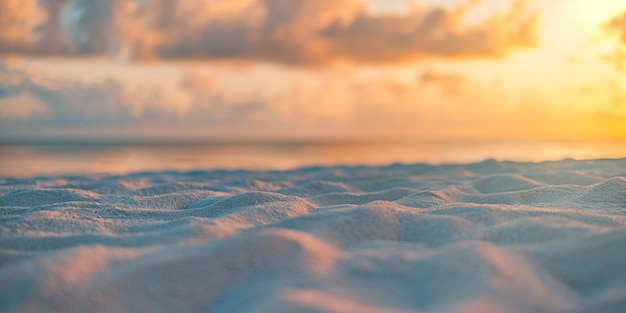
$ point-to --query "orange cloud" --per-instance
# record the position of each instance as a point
(303, 32)
(618, 25)
(18, 22)
(434, 33)
(434, 105)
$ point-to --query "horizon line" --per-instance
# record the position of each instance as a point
(102, 141)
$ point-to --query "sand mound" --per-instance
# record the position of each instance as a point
(504, 183)
(609, 191)
(485, 237)
(30, 198)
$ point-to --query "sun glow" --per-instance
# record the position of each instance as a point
(533, 70)
(590, 13)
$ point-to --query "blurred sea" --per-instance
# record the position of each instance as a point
(24, 160)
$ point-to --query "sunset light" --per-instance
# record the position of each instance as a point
(593, 13)
(330, 156)
(416, 70)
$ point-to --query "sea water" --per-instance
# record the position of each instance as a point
(69, 158)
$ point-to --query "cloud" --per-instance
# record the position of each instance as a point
(215, 104)
(20, 107)
(19, 20)
(69, 103)
(434, 33)
(201, 104)
(617, 25)
(297, 32)
(35, 103)
(448, 84)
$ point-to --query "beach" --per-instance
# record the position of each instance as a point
(275, 156)
(492, 236)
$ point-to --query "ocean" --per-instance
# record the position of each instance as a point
(74, 158)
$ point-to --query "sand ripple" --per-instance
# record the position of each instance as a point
(484, 237)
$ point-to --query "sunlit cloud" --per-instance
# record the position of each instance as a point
(306, 32)
(617, 25)
(310, 69)
(433, 104)
(19, 20)
(68, 102)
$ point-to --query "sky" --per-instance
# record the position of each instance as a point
(452, 70)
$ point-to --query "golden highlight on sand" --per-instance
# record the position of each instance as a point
(483, 237)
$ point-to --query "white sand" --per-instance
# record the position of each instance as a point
(485, 237)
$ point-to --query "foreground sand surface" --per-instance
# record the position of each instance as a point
(484, 237)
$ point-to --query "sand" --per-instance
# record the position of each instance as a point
(485, 237)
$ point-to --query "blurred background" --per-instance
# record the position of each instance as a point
(116, 86)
